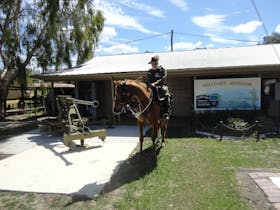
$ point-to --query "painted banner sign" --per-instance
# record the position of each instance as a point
(227, 94)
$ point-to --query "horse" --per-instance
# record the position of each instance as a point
(133, 96)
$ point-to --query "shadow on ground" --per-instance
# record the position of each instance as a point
(49, 141)
(134, 168)
(130, 170)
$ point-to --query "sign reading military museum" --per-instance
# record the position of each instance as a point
(227, 94)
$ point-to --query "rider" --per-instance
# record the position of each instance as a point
(156, 77)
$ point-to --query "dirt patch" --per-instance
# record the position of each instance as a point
(250, 191)
(16, 125)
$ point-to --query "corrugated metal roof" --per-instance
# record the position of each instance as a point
(259, 55)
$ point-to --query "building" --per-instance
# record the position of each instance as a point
(94, 79)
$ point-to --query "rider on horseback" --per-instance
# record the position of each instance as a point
(156, 80)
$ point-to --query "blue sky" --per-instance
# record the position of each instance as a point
(213, 20)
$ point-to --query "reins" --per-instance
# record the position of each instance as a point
(138, 114)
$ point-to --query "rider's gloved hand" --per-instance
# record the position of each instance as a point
(153, 85)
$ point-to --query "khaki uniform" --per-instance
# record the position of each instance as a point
(158, 78)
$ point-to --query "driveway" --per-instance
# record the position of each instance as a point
(42, 163)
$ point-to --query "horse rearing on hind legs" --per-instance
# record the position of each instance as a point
(133, 96)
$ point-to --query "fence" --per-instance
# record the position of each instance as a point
(223, 129)
(23, 105)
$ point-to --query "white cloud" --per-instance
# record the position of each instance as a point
(143, 7)
(115, 16)
(185, 46)
(211, 22)
(247, 28)
(209, 9)
(182, 4)
(127, 22)
(277, 29)
(210, 45)
(218, 39)
(216, 23)
(107, 34)
(118, 49)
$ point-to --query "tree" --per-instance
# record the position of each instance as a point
(50, 34)
(273, 38)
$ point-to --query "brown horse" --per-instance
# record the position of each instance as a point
(133, 96)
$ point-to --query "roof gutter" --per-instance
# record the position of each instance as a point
(271, 68)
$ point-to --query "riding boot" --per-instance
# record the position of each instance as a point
(167, 108)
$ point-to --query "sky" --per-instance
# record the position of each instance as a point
(196, 24)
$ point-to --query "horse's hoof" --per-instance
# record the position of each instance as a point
(162, 145)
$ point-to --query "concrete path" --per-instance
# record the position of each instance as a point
(44, 164)
(269, 183)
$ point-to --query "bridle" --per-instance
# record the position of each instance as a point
(126, 106)
(138, 114)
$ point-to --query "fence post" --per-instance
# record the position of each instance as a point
(278, 128)
(221, 130)
(257, 130)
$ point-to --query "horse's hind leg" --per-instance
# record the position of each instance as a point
(154, 135)
(163, 133)
(140, 128)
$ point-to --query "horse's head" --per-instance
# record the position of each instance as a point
(129, 94)
(121, 96)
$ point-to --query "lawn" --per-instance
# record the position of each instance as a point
(189, 173)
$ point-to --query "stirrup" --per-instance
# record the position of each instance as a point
(166, 116)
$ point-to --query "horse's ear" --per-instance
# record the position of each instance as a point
(123, 82)
(123, 85)
(116, 82)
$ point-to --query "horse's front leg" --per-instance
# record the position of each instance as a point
(140, 129)
(154, 135)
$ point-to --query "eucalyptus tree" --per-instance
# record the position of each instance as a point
(48, 34)
(272, 39)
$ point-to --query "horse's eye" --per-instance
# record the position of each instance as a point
(133, 99)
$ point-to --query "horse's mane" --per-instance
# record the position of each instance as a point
(138, 84)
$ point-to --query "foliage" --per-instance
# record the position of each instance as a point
(26, 80)
(50, 34)
(43, 90)
(48, 31)
(271, 39)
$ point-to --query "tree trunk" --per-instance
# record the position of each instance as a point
(2, 110)
(5, 81)
(21, 100)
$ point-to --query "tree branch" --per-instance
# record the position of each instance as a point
(35, 47)
(4, 30)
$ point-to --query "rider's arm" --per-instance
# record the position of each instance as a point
(163, 75)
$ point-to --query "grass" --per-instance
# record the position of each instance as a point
(189, 173)
(198, 174)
